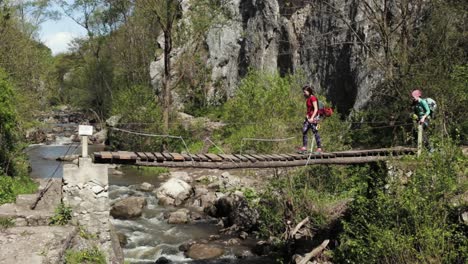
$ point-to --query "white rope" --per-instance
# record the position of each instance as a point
(311, 149)
(156, 135)
(216, 146)
(145, 134)
(268, 140)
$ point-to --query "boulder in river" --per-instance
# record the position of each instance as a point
(236, 210)
(146, 187)
(181, 175)
(179, 217)
(204, 251)
(127, 208)
(174, 191)
(68, 157)
(163, 260)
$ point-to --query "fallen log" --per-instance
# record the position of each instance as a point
(298, 226)
(314, 252)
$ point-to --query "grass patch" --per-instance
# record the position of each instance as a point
(62, 215)
(10, 187)
(6, 222)
(154, 171)
(88, 256)
(85, 234)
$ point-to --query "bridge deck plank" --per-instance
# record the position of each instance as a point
(177, 157)
(252, 159)
(151, 156)
(241, 157)
(106, 155)
(142, 156)
(127, 155)
(258, 157)
(296, 156)
(288, 157)
(214, 157)
(195, 157)
(157, 156)
(167, 156)
(272, 158)
(230, 158)
(265, 157)
(186, 157)
(278, 157)
(203, 157)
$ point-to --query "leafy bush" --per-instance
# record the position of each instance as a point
(416, 223)
(139, 111)
(267, 105)
(86, 256)
(8, 125)
(320, 192)
(10, 187)
(63, 214)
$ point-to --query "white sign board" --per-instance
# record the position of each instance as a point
(85, 130)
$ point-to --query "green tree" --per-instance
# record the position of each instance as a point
(8, 126)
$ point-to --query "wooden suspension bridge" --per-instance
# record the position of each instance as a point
(238, 161)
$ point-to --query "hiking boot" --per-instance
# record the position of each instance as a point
(302, 149)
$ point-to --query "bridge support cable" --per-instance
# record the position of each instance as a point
(220, 149)
(264, 140)
(156, 135)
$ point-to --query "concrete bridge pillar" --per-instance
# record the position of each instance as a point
(85, 190)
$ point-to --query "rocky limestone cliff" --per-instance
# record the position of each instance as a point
(325, 40)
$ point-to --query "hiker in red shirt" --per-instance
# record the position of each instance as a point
(312, 118)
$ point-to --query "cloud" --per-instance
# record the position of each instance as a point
(59, 42)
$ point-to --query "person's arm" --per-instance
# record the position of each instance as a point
(427, 110)
(315, 104)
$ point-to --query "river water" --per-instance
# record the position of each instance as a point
(150, 236)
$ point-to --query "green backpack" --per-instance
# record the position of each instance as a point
(432, 106)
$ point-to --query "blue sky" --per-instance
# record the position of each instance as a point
(57, 34)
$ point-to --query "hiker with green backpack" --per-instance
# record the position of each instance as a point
(423, 111)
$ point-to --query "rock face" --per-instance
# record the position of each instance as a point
(329, 42)
(127, 208)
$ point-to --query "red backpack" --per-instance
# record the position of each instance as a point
(324, 110)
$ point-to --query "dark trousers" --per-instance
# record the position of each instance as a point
(305, 129)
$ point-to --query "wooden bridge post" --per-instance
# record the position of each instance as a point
(420, 139)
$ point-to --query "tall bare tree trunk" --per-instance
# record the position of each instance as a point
(167, 79)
